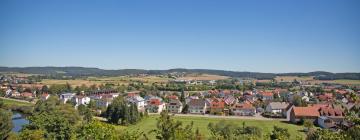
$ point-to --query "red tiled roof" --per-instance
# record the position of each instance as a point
(226, 91)
(213, 91)
(329, 95)
(217, 103)
(342, 92)
(329, 111)
(131, 94)
(80, 96)
(172, 97)
(306, 111)
(26, 94)
(243, 106)
(44, 95)
(320, 105)
(325, 97)
(266, 93)
(155, 101)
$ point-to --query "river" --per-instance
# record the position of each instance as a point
(18, 121)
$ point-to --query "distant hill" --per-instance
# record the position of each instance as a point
(83, 71)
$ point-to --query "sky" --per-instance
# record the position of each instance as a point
(240, 35)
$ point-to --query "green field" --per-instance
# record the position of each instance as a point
(118, 80)
(348, 82)
(15, 103)
(200, 122)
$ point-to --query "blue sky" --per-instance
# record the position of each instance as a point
(240, 35)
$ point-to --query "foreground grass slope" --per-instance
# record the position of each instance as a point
(149, 123)
(12, 102)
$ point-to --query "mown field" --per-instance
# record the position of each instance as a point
(292, 78)
(309, 79)
(118, 80)
(202, 77)
(149, 123)
(125, 80)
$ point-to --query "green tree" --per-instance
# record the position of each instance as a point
(297, 101)
(185, 109)
(2, 93)
(1, 103)
(227, 130)
(119, 112)
(58, 88)
(81, 109)
(222, 130)
(96, 130)
(88, 115)
(308, 124)
(92, 104)
(56, 126)
(169, 129)
(182, 96)
(353, 132)
(5, 123)
(324, 134)
(279, 134)
(32, 135)
(130, 135)
(57, 120)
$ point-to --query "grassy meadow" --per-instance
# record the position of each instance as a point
(9, 102)
(149, 123)
(118, 80)
(202, 77)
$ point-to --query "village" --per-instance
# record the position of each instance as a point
(325, 105)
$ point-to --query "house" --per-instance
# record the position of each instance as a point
(103, 103)
(325, 122)
(81, 100)
(66, 97)
(230, 100)
(313, 112)
(149, 98)
(267, 96)
(208, 105)
(15, 93)
(188, 99)
(288, 111)
(325, 97)
(277, 108)
(298, 113)
(138, 101)
(8, 92)
(243, 109)
(174, 106)
(27, 95)
(217, 106)
(155, 105)
(332, 112)
(305, 98)
(45, 96)
(174, 97)
(344, 100)
(197, 106)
